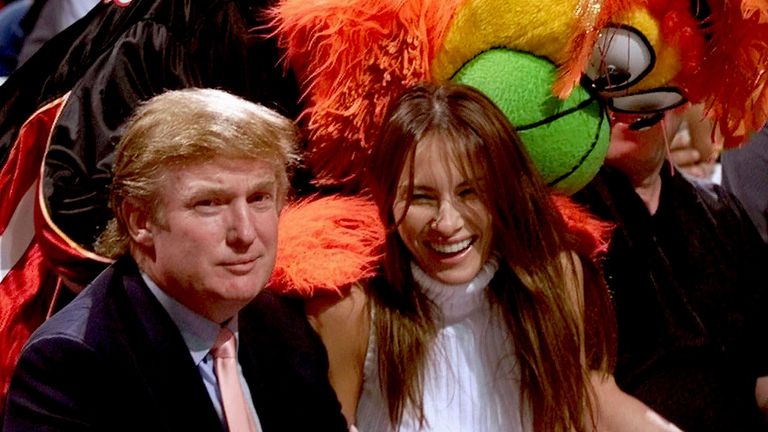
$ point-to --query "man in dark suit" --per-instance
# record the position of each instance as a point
(199, 179)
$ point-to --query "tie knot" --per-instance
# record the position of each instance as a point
(225, 345)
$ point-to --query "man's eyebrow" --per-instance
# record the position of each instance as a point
(262, 184)
(202, 191)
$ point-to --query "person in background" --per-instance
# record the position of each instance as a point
(11, 35)
(745, 174)
(177, 333)
(48, 18)
(695, 147)
(686, 272)
(743, 171)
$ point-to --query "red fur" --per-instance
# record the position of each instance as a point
(327, 244)
(732, 78)
(592, 234)
(353, 57)
(583, 38)
(727, 73)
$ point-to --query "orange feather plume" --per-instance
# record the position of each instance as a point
(732, 80)
(353, 57)
(591, 16)
(326, 244)
(592, 234)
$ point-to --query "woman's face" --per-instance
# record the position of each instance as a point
(446, 228)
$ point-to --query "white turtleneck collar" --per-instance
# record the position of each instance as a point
(457, 301)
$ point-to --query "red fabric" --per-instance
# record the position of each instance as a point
(327, 244)
(24, 162)
(23, 305)
(27, 290)
(68, 259)
(25, 296)
(352, 58)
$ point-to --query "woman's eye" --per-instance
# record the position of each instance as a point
(467, 193)
(621, 57)
(419, 198)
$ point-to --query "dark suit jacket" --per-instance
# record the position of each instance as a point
(114, 360)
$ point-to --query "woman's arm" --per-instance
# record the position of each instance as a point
(343, 324)
(621, 412)
(761, 394)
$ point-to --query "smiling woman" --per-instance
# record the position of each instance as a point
(444, 224)
(480, 287)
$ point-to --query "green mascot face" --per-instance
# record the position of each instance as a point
(566, 139)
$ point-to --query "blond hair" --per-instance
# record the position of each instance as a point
(189, 126)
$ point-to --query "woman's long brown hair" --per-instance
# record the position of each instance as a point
(530, 287)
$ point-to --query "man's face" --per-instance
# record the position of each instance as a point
(213, 246)
(635, 148)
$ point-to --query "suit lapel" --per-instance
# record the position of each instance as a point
(163, 358)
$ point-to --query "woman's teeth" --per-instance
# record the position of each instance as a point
(450, 248)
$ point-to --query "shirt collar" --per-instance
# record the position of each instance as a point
(199, 333)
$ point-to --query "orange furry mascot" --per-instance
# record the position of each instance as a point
(576, 56)
(554, 68)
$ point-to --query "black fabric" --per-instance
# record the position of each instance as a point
(689, 288)
(115, 58)
(114, 360)
(295, 394)
(745, 174)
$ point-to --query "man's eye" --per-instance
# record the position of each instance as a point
(261, 199)
(207, 206)
(205, 203)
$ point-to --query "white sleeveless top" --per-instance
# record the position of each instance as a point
(472, 383)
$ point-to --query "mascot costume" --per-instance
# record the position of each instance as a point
(552, 66)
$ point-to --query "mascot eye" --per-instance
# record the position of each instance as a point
(656, 100)
(621, 57)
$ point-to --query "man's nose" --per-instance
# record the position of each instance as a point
(242, 225)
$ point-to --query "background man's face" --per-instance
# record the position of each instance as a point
(633, 148)
(215, 244)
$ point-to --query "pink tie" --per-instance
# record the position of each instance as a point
(239, 418)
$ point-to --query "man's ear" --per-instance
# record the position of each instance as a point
(139, 223)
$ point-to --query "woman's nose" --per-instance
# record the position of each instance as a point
(448, 220)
